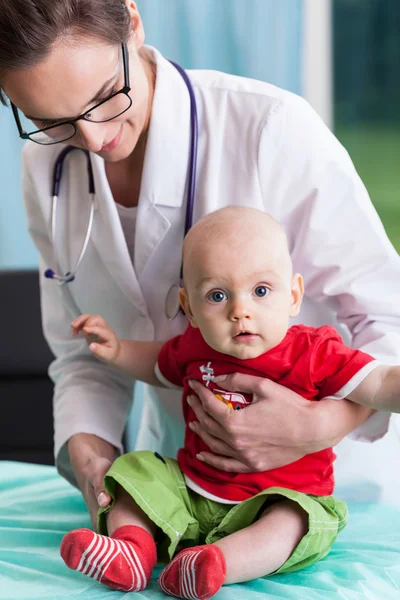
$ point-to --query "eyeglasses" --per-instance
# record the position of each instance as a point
(104, 111)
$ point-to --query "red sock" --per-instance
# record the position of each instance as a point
(123, 561)
(195, 573)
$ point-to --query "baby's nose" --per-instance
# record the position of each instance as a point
(239, 310)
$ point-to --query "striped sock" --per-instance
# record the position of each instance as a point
(123, 561)
(195, 573)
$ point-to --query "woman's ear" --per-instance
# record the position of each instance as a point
(137, 24)
(185, 303)
(297, 294)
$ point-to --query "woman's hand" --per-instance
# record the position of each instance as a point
(91, 457)
(278, 428)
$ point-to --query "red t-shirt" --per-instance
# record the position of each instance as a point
(313, 362)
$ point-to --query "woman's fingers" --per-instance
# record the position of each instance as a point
(217, 409)
(223, 463)
(239, 382)
(103, 499)
(205, 420)
(92, 486)
(216, 445)
(91, 457)
(96, 480)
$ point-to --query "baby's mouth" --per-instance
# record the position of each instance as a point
(245, 335)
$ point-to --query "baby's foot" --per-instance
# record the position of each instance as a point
(123, 561)
(195, 573)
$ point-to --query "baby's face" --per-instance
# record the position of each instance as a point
(242, 295)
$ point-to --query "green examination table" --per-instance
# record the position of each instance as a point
(38, 507)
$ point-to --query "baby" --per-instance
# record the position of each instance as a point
(218, 527)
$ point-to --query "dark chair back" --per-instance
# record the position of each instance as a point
(26, 422)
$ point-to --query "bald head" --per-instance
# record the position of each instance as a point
(244, 232)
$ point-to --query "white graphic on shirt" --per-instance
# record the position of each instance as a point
(231, 399)
(208, 373)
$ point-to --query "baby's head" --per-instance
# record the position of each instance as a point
(239, 288)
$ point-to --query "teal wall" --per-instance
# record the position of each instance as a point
(253, 38)
(16, 248)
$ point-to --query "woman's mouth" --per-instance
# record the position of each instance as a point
(114, 142)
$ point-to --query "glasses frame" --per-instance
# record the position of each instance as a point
(125, 90)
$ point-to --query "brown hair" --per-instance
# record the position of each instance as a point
(29, 28)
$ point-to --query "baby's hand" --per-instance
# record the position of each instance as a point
(100, 338)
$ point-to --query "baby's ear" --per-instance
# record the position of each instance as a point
(297, 294)
(185, 303)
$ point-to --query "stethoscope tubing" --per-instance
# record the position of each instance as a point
(193, 150)
(57, 174)
(192, 170)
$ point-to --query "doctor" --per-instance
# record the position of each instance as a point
(258, 146)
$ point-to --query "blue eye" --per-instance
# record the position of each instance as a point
(261, 291)
(217, 296)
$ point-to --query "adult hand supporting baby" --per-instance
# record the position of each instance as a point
(91, 457)
(278, 428)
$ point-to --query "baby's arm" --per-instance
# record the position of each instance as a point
(134, 358)
(380, 389)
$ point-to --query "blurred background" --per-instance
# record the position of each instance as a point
(342, 55)
(366, 99)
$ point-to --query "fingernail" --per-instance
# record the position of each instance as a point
(101, 498)
(92, 347)
(192, 426)
(191, 383)
(199, 457)
(219, 378)
(189, 400)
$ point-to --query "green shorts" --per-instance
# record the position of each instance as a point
(187, 519)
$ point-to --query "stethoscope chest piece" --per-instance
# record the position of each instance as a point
(172, 304)
(70, 275)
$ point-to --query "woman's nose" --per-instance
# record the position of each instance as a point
(91, 135)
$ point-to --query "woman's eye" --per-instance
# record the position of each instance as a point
(217, 296)
(261, 291)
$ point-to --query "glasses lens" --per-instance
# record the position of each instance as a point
(110, 109)
(56, 134)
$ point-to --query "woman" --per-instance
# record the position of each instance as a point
(258, 146)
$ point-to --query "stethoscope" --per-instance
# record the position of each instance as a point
(172, 304)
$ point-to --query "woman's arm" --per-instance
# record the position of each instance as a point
(351, 270)
(278, 428)
(83, 386)
(380, 390)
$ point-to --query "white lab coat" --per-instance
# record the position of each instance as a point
(259, 146)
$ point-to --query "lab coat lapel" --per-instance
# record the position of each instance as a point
(109, 239)
(165, 166)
